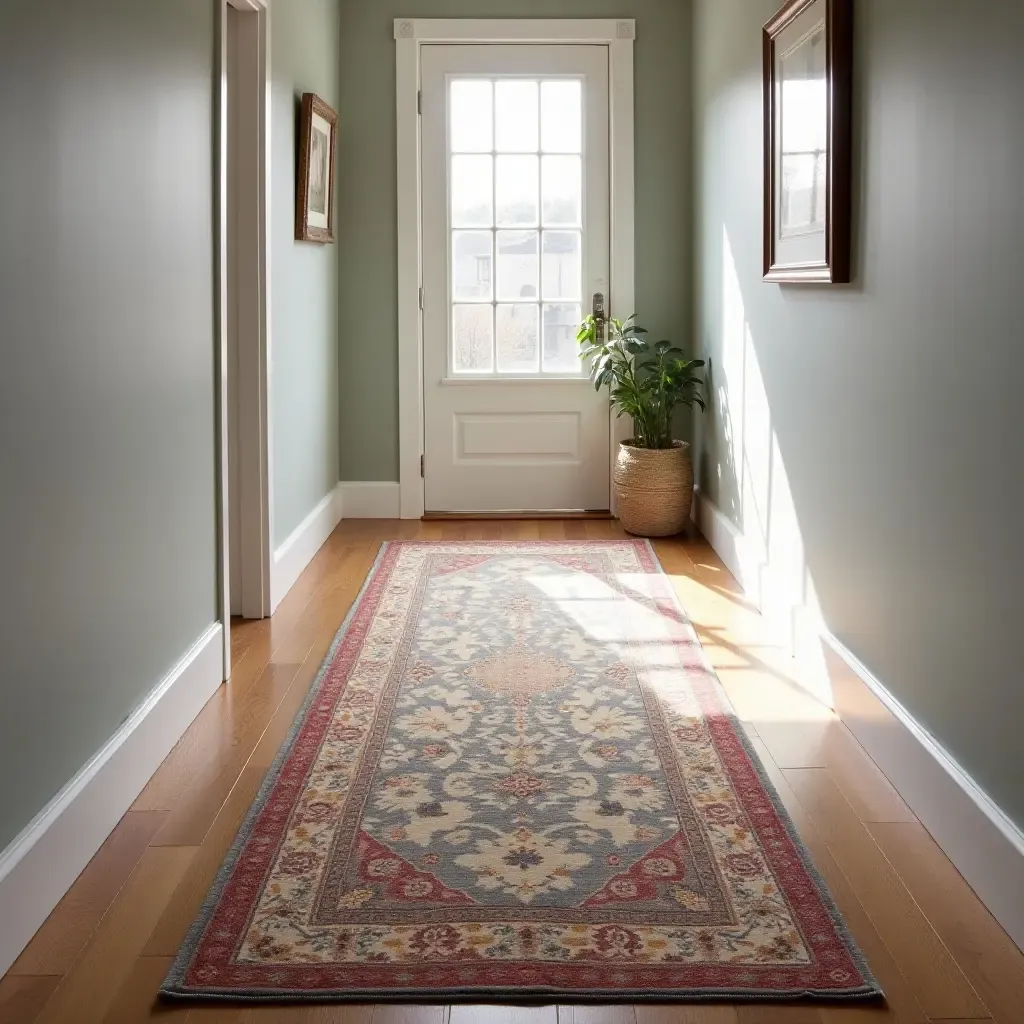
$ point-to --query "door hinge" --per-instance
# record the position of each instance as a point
(419, 101)
(421, 465)
(421, 296)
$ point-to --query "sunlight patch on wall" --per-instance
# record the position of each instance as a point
(756, 494)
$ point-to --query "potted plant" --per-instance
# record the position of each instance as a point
(653, 476)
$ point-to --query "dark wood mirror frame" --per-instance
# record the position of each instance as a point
(836, 267)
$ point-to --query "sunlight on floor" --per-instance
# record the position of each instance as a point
(755, 670)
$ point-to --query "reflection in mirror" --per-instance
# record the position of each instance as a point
(803, 117)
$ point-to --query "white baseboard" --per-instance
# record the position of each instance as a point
(370, 499)
(981, 841)
(984, 844)
(42, 862)
(302, 544)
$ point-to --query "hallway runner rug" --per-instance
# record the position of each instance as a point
(517, 777)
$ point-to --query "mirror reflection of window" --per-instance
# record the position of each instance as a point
(804, 133)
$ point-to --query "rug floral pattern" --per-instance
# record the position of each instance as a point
(517, 774)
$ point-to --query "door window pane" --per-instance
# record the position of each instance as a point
(561, 121)
(561, 191)
(518, 350)
(472, 266)
(472, 336)
(516, 217)
(561, 350)
(517, 265)
(561, 267)
(515, 108)
(516, 187)
(471, 192)
(470, 115)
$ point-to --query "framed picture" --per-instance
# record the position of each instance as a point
(808, 54)
(314, 206)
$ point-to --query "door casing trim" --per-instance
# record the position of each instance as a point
(248, 302)
(410, 34)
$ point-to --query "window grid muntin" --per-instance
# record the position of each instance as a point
(554, 311)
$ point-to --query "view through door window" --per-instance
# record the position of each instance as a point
(516, 221)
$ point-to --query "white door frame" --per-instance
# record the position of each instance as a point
(248, 235)
(410, 35)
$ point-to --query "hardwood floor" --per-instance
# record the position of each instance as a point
(104, 950)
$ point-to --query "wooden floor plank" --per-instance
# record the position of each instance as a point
(939, 985)
(603, 529)
(201, 740)
(244, 724)
(621, 1014)
(827, 743)
(470, 1014)
(269, 745)
(88, 990)
(137, 1000)
(23, 996)
(697, 1014)
(775, 1014)
(186, 898)
(901, 1003)
(64, 934)
(983, 951)
(341, 1014)
(397, 1014)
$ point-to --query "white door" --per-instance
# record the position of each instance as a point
(515, 236)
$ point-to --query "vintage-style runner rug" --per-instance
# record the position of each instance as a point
(516, 777)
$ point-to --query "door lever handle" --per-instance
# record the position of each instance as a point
(599, 316)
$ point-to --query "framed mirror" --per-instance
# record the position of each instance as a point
(808, 50)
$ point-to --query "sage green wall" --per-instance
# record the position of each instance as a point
(366, 213)
(107, 508)
(304, 57)
(894, 402)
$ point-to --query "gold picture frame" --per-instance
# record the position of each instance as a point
(314, 201)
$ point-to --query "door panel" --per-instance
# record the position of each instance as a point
(515, 232)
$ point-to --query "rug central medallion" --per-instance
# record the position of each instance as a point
(518, 767)
(516, 761)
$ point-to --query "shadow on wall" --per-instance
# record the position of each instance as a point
(755, 522)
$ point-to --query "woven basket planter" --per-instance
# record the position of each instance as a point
(653, 488)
